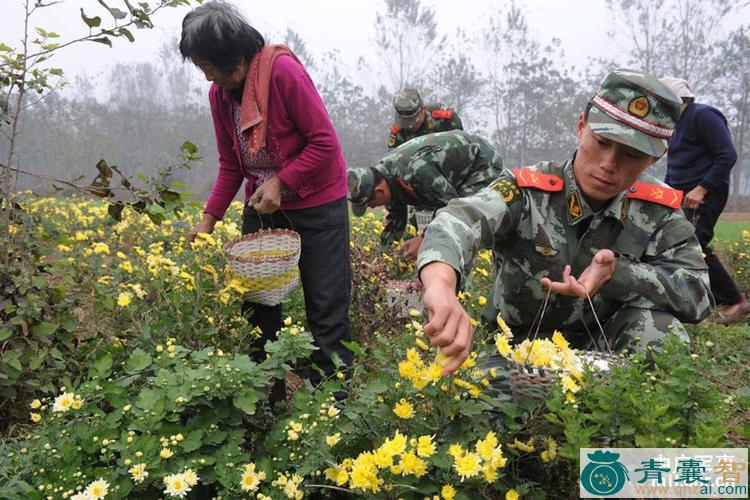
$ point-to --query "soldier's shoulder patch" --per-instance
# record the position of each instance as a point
(538, 180)
(395, 129)
(442, 114)
(507, 189)
(654, 193)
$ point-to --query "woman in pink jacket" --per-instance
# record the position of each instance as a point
(273, 133)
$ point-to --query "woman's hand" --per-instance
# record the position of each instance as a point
(206, 225)
(267, 198)
(592, 278)
(411, 247)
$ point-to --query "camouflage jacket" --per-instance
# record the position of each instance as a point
(535, 232)
(431, 170)
(439, 119)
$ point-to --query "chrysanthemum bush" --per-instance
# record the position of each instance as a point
(126, 373)
(162, 424)
(738, 258)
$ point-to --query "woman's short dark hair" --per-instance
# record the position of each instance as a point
(217, 33)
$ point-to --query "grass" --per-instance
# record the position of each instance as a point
(729, 231)
(730, 347)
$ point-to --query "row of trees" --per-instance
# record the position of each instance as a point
(507, 83)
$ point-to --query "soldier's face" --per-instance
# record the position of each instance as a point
(381, 195)
(604, 168)
(420, 120)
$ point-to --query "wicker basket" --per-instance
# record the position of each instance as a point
(402, 296)
(527, 381)
(266, 263)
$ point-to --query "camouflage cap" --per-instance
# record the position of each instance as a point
(635, 109)
(361, 186)
(407, 103)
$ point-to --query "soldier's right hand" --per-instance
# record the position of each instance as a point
(449, 327)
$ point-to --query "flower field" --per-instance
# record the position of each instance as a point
(125, 373)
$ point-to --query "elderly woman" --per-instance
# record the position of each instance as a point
(273, 131)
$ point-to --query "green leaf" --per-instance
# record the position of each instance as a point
(354, 347)
(56, 71)
(5, 48)
(246, 400)
(91, 22)
(4, 333)
(147, 399)
(193, 441)
(127, 34)
(102, 367)
(189, 148)
(11, 358)
(44, 329)
(155, 208)
(137, 361)
(104, 40)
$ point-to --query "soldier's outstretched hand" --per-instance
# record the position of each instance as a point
(449, 327)
(592, 278)
(411, 247)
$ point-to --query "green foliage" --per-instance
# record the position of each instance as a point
(197, 405)
(671, 401)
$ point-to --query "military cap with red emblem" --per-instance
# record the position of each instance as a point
(635, 109)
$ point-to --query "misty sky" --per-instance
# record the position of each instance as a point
(346, 25)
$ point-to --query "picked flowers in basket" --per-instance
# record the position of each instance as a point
(537, 363)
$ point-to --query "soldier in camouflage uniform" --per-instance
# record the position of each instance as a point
(424, 173)
(414, 119)
(592, 225)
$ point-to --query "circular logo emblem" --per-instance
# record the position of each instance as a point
(639, 107)
(603, 475)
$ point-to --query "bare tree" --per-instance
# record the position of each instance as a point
(408, 41)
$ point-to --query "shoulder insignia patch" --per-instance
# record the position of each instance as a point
(442, 114)
(538, 180)
(403, 186)
(395, 129)
(666, 196)
(507, 189)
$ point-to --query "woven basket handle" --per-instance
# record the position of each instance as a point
(540, 316)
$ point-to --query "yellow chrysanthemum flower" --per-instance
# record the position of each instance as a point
(448, 492)
(403, 409)
(467, 465)
(138, 472)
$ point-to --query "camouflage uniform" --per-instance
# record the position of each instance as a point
(536, 220)
(427, 172)
(438, 118)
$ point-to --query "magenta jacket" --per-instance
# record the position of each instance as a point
(300, 133)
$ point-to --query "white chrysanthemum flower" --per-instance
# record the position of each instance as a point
(138, 472)
(97, 489)
(64, 402)
(176, 485)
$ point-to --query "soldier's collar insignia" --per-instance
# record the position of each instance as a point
(546, 250)
(391, 140)
(575, 209)
(408, 189)
(639, 107)
(624, 209)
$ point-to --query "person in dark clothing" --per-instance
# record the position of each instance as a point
(700, 159)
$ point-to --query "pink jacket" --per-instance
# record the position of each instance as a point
(300, 132)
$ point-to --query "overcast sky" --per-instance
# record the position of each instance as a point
(346, 25)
